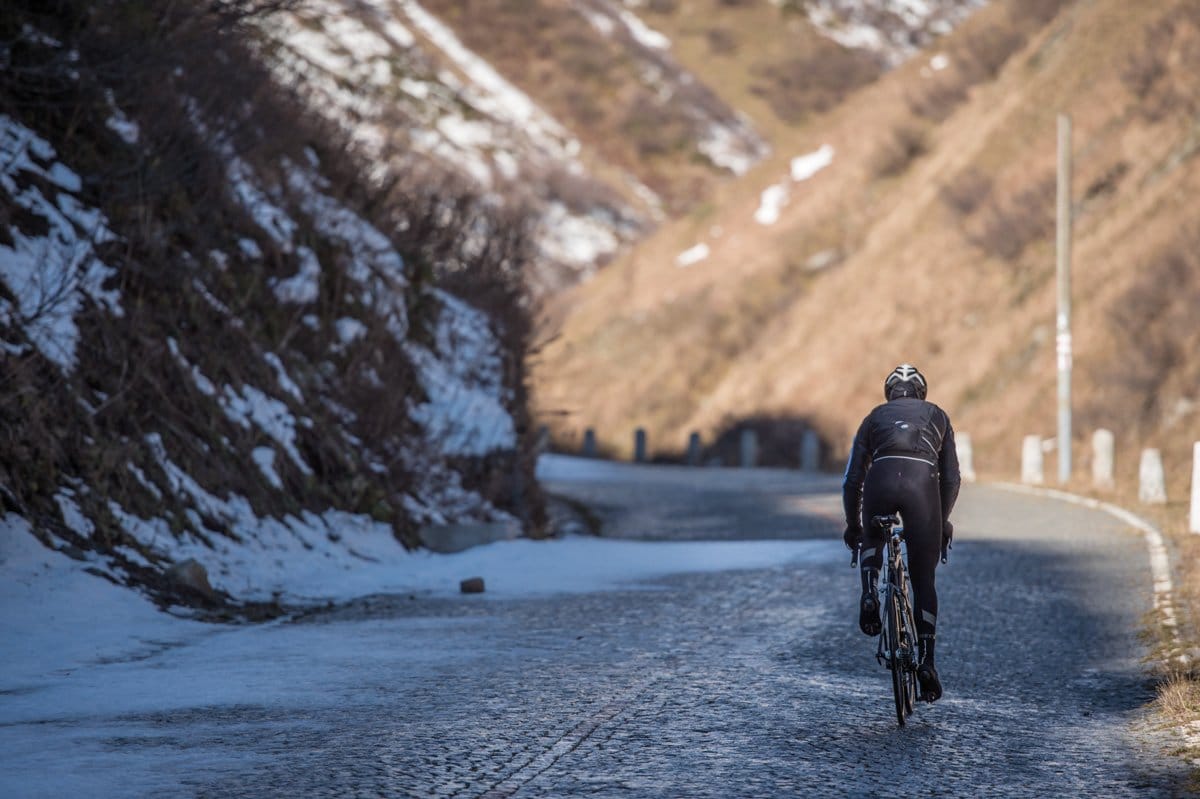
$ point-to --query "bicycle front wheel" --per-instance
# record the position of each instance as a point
(895, 661)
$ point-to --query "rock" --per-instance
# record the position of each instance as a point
(472, 585)
(191, 574)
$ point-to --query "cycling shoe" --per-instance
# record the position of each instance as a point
(868, 614)
(931, 686)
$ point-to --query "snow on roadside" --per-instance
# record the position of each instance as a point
(55, 617)
(51, 274)
(83, 621)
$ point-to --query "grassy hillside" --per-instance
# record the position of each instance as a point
(928, 238)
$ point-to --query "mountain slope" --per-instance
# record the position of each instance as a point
(926, 237)
(222, 345)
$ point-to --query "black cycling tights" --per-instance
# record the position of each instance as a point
(909, 487)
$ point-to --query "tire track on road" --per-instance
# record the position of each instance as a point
(567, 743)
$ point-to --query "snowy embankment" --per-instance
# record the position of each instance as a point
(58, 618)
(53, 272)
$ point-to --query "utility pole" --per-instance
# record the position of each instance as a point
(1063, 337)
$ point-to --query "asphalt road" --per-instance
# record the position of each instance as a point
(722, 684)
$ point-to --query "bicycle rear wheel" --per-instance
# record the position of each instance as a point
(908, 641)
(895, 662)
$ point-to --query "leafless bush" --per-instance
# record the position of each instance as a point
(1011, 224)
(1034, 12)
(815, 81)
(657, 129)
(906, 143)
(984, 52)
(967, 191)
(1161, 74)
(1154, 325)
(662, 6)
(721, 41)
(936, 98)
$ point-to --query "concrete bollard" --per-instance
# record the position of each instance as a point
(693, 451)
(810, 451)
(1031, 461)
(749, 449)
(589, 443)
(966, 456)
(639, 445)
(1103, 443)
(1194, 516)
(1152, 485)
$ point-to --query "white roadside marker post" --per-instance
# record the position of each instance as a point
(1152, 488)
(1031, 461)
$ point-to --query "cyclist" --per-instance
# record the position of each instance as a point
(903, 460)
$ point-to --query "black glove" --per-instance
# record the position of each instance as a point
(947, 535)
(852, 537)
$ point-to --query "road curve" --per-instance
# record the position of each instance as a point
(752, 683)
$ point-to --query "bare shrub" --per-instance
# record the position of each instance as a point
(815, 81)
(983, 53)
(721, 41)
(662, 6)
(936, 98)
(1161, 74)
(1154, 322)
(1011, 224)
(657, 129)
(1035, 12)
(906, 143)
(967, 191)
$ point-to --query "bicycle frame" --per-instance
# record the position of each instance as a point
(894, 582)
(897, 650)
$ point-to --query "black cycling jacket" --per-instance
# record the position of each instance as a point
(905, 427)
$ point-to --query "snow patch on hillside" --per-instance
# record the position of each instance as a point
(51, 267)
(642, 33)
(498, 98)
(893, 29)
(692, 255)
(804, 167)
(462, 375)
(775, 198)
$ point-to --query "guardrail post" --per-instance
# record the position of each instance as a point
(749, 448)
(693, 454)
(589, 443)
(966, 456)
(1103, 442)
(810, 451)
(1152, 488)
(639, 445)
(1031, 461)
(1194, 516)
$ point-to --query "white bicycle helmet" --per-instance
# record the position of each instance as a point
(905, 380)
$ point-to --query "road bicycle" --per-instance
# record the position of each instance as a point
(898, 638)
